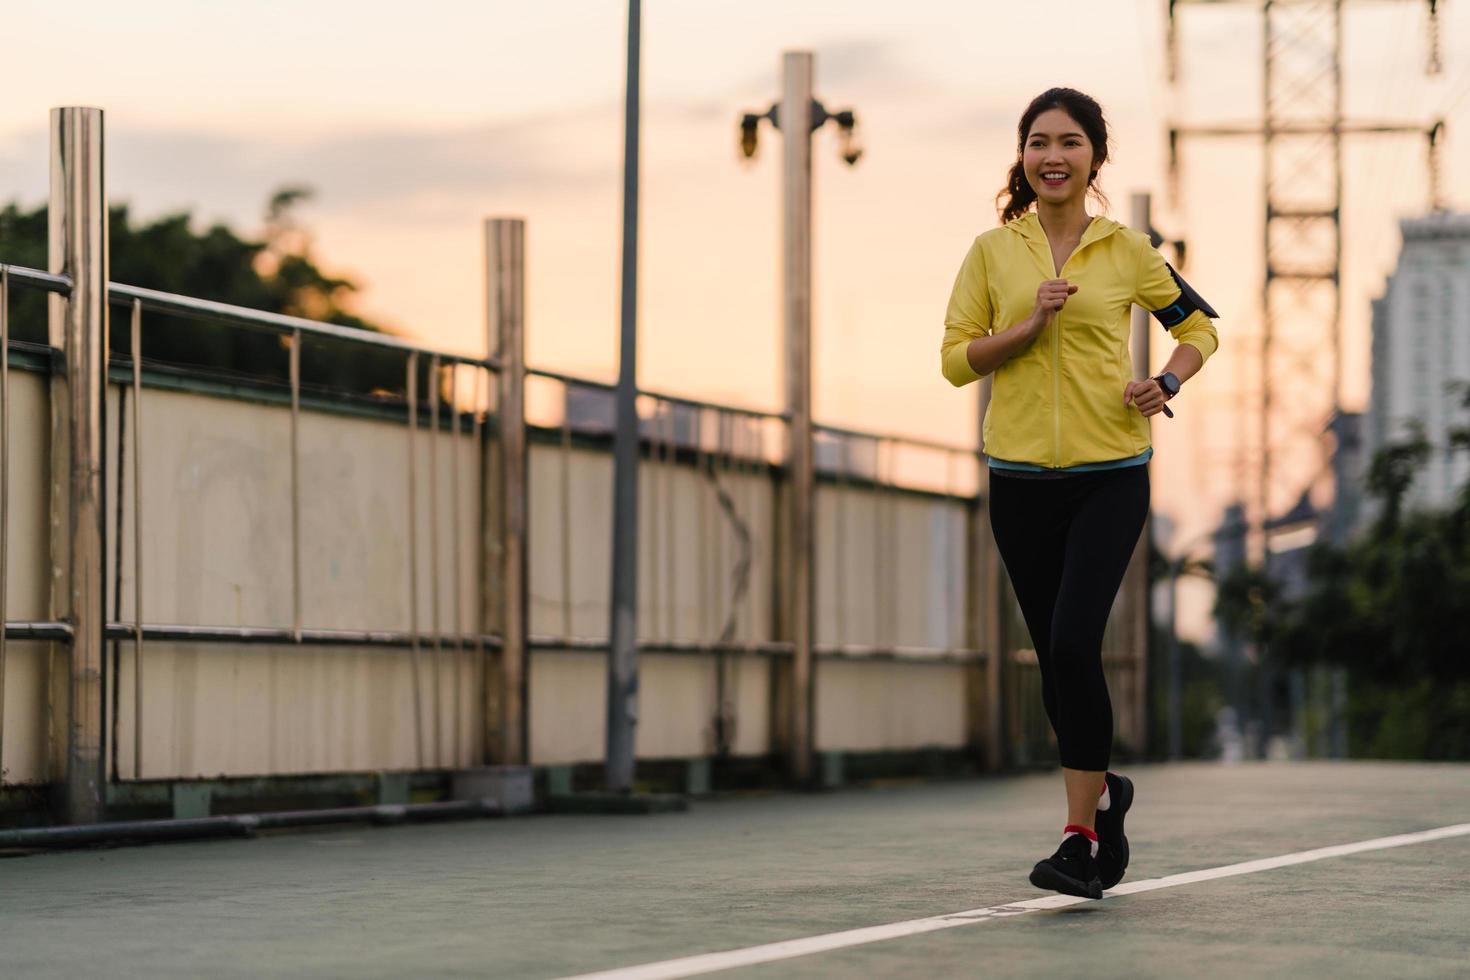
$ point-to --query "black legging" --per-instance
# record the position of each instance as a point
(1066, 542)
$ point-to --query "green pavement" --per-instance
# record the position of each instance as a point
(549, 896)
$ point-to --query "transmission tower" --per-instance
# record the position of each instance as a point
(1301, 129)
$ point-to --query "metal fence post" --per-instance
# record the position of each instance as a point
(1138, 591)
(4, 493)
(78, 328)
(987, 616)
(505, 306)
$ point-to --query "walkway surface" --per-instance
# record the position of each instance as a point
(553, 896)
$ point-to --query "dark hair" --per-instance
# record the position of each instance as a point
(1089, 116)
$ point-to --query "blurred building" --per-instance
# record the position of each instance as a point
(669, 426)
(1348, 470)
(1421, 352)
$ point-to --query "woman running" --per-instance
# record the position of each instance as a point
(1043, 303)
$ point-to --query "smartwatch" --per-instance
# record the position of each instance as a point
(1169, 385)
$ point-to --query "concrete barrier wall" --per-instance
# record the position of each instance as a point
(27, 597)
(688, 549)
(899, 576)
(217, 518)
(213, 710)
(875, 706)
(677, 706)
(891, 569)
(216, 550)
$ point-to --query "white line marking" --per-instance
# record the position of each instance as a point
(689, 966)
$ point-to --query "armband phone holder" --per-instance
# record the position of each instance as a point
(1179, 310)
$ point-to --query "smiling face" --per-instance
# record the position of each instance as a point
(1057, 157)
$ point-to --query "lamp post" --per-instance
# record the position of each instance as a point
(798, 115)
(622, 664)
(1182, 564)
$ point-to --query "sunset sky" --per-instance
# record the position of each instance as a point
(414, 122)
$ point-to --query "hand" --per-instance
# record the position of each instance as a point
(1146, 396)
(1051, 296)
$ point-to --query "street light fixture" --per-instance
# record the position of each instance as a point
(846, 121)
(804, 115)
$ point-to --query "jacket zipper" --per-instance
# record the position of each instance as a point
(1057, 368)
(1056, 377)
(1056, 373)
(1057, 357)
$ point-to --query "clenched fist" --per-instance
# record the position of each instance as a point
(1146, 396)
(1051, 296)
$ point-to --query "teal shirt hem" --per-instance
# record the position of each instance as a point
(1111, 464)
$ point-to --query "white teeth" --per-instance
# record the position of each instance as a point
(1053, 176)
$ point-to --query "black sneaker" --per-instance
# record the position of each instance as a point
(1071, 870)
(1112, 844)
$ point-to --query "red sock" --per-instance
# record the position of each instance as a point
(1091, 835)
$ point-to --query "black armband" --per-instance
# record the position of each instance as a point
(1189, 301)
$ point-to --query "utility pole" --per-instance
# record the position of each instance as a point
(796, 310)
(78, 330)
(1139, 587)
(798, 115)
(622, 662)
(1301, 130)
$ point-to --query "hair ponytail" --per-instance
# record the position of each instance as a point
(1021, 192)
(1088, 114)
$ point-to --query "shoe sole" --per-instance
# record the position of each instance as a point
(1048, 878)
(1123, 799)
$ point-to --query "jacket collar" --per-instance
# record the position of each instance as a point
(1028, 226)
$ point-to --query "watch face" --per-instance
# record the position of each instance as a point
(1169, 383)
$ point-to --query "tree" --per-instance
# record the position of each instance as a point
(1391, 607)
(1392, 472)
(277, 274)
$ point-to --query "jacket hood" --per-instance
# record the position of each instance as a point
(1028, 226)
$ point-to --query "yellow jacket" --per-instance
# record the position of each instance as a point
(1059, 402)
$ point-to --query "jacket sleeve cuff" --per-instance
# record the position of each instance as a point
(1199, 333)
(1206, 346)
(955, 363)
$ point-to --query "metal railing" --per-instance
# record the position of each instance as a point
(442, 365)
(444, 370)
(56, 631)
(726, 442)
(12, 275)
(728, 448)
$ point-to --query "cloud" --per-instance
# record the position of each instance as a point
(845, 70)
(424, 174)
(230, 174)
(861, 61)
